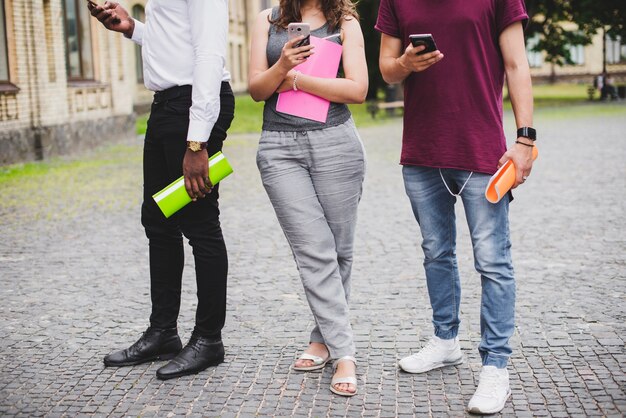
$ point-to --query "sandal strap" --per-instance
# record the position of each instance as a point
(348, 379)
(315, 359)
(344, 358)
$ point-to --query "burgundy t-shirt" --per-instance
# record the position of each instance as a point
(453, 110)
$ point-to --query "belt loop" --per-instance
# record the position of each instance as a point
(172, 93)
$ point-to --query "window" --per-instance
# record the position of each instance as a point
(615, 51)
(79, 54)
(140, 14)
(535, 58)
(577, 54)
(4, 56)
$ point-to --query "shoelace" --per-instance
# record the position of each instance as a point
(428, 349)
(488, 383)
(137, 345)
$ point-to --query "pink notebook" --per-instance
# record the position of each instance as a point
(323, 63)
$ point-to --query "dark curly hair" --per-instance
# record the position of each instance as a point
(334, 11)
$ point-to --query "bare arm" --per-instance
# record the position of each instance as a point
(520, 90)
(262, 79)
(397, 64)
(350, 89)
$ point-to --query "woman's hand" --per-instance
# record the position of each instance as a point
(290, 56)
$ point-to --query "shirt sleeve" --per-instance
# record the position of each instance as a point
(387, 21)
(209, 32)
(137, 33)
(509, 12)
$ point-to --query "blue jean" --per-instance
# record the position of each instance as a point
(433, 207)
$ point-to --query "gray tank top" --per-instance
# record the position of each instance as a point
(273, 120)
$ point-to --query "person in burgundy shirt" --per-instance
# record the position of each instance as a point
(453, 141)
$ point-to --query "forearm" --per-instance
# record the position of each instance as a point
(338, 90)
(521, 94)
(517, 73)
(209, 33)
(392, 71)
(205, 107)
(262, 85)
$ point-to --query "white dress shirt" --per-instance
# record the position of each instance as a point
(184, 43)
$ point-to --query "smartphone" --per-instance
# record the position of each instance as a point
(297, 29)
(94, 4)
(423, 39)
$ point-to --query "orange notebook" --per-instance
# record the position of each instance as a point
(501, 182)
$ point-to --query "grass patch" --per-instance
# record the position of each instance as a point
(142, 124)
(555, 95)
(582, 110)
(101, 156)
(109, 178)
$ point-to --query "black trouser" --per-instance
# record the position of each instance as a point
(164, 148)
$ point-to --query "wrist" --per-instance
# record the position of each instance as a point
(283, 70)
(527, 133)
(524, 142)
(296, 77)
(131, 29)
(196, 146)
(400, 62)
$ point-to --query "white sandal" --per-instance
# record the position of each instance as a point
(348, 379)
(318, 362)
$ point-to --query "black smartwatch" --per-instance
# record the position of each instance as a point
(527, 132)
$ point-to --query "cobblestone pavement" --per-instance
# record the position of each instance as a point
(74, 286)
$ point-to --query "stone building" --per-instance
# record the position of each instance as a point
(67, 84)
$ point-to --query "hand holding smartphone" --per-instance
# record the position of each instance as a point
(299, 29)
(425, 39)
(95, 6)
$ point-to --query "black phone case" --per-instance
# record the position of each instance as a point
(424, 40)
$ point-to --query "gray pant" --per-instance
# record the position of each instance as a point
(314, 180)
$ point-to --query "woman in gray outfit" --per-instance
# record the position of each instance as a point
(313, 171)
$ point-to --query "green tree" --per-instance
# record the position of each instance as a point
(607, 17)
(590, 16)
(593, 16)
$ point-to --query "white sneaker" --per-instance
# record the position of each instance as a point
(492, 392)
(437, 353)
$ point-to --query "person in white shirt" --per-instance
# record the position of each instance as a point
(183, 48)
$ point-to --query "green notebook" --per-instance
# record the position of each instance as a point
(174, 197)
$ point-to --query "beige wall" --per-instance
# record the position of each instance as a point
(592, 66)
(42, 113)
(46, 113)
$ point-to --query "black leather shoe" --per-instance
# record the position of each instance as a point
(199, 354)
(154, 344)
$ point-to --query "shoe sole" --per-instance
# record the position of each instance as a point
(340, 393)
(491, 411)
(161, 357)
(436, 366)
(189, 372)
(311, 368)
